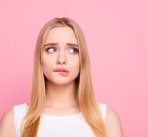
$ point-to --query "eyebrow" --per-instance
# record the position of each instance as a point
(55, 44)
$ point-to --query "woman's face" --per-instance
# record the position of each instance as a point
(61, 51)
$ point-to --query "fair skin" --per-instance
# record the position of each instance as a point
(61, 51)
(60, 89)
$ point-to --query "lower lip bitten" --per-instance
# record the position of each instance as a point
(62, 73)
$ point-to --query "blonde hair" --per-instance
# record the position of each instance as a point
(84, 89)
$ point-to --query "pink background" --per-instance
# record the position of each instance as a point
(116, 33)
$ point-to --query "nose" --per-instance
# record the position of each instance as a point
(61, 58)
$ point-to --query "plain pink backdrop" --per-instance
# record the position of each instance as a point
(116, 33)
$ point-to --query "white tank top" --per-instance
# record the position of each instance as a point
(73, 125)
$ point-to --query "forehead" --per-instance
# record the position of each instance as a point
(61, 35)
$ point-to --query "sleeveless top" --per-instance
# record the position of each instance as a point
(73, 125)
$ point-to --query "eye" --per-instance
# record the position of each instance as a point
(51, 49)
(74, 50)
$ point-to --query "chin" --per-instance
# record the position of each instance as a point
(63, 82)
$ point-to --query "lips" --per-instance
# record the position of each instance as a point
(61, 70)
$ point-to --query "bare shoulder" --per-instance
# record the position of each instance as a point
(113, 123)
(7, 123)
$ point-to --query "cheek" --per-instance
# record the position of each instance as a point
(47, 67)
(47, 63)
(76, 63)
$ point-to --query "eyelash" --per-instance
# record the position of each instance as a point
(77, 51)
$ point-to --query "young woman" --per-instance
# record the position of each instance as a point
(62, 101)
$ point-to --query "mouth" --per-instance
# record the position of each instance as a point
(61, 71)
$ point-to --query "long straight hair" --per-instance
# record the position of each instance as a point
(84, 93)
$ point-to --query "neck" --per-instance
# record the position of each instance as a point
(60, 95)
